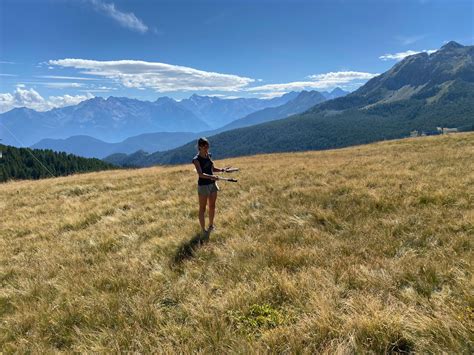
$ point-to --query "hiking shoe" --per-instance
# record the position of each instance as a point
(211, 228)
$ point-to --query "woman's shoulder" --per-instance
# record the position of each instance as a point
(198, 157)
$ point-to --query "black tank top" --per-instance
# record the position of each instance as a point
(206, 167)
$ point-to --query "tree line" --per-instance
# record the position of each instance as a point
(27, 163)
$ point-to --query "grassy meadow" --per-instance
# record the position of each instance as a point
(354, 250)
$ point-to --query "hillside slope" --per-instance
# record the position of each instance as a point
(91, 147)
(304, 101)
(348, 250)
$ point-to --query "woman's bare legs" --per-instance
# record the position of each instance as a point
(212, 207)
(202, 211)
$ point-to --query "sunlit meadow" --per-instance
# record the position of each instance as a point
(367, 248)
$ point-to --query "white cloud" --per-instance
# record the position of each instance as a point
(106, 88)
(158, 76)
(222, 96)
(21, 98)
(294, 85)
(231, 97)
(6, 102)
(341, 77)
(30, 98)
(64, 77)
(68, 100)
(125, 19)
(25, 96)
(406, 40)
(99, 89)
(319, 81)
(270, 95)
(401, 55)
(55, 85)
(7, 74)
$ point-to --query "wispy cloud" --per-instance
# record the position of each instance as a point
(125, 19)
(341, 77)
(56, 85)
(222, 96)
(160, 77)
(231, 97)
(64, 77)
(1, 74)
(270, 95)
(30, 98)
(5, 62)
(318, 81)
(99, 89)
(407, 40)
(106, 88)
(401, 55)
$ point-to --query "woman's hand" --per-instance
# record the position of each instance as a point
(229, 169)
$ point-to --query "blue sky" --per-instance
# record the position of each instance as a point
(57, 52)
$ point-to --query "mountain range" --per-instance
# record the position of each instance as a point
(117, 118)
(421, 92)
(217, 112)
(88, 146)
(111, 119)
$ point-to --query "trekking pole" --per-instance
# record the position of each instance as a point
(227, 179)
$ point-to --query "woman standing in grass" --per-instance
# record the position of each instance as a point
(207, 186)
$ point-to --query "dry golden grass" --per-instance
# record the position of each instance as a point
(360, 249)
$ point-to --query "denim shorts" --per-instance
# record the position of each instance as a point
(206, 190)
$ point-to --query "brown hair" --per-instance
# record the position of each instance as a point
(202, 142)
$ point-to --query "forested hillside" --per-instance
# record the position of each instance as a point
(26, 163)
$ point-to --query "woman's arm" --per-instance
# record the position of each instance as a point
(201, 174)
(220, 169)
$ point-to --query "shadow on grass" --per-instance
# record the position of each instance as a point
(187, 249)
